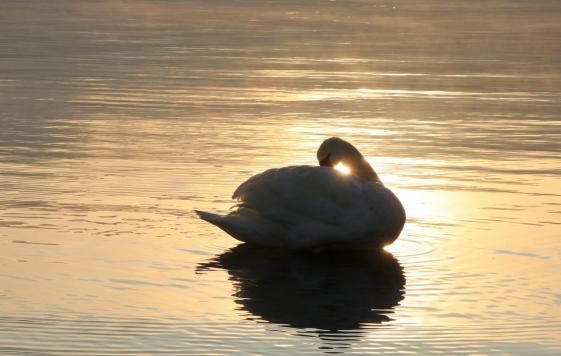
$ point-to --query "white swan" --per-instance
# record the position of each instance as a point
(315, 206)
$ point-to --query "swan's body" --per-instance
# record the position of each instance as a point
(314, 207)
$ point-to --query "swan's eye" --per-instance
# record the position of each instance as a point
(342, 168)
(326, 162)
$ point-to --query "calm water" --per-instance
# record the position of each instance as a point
(117, 118)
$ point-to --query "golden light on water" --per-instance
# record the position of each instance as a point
(342, 168)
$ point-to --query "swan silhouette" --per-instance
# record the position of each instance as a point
(333, 290)
(311, 207)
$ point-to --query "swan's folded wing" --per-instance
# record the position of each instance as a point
(256, 186)
(299, 194)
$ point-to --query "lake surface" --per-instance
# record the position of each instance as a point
(118, 118)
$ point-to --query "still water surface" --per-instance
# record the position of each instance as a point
(118, 118)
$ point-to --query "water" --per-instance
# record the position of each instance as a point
(119, 118)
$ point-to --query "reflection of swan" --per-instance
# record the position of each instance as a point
(327, 291)
(309, 207)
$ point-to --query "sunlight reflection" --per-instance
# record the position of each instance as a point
(427, 213)
(342, 168)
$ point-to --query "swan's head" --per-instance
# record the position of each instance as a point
(335, 150)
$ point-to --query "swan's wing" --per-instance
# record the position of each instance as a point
(300, 192)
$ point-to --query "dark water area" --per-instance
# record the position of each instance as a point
(118, 118)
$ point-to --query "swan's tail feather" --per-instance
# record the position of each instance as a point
(232, 225)
(210, 217)
(243, 227)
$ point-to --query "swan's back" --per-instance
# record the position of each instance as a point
(311, 192)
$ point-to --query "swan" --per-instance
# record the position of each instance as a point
(315, 207)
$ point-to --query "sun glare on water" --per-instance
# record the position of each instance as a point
(342, 168)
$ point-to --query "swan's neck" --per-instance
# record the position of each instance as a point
(361, 168)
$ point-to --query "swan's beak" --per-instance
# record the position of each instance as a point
(326, 162)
